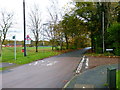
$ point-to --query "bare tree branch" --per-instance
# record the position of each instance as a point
(35, 24)
(6, 23)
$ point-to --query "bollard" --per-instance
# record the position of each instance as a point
(111, 77)
(22, 50)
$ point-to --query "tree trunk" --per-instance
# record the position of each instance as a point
(3, 39)
(36, 46)
(67, 44)
(92, 43)
(75, 43)
(52, 47)
(61, 45)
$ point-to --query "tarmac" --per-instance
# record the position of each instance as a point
(6, 64)
(96, 77)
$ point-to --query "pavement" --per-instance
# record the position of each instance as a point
(53, 72)
(96, 77)
(6, 64)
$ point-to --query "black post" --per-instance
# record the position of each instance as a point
(111, 77)
(24, 27)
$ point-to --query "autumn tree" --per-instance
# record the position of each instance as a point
(55, 14)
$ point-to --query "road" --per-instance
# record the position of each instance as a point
(53, 72)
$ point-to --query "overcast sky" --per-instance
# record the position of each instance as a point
(16, 6)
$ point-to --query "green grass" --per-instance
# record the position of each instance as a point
(118, 79)
(2, 68)
(8, 54)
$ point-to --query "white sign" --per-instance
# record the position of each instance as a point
(109, 49)
(27, 41)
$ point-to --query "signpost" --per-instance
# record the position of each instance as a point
(14, 37)
(28, 40)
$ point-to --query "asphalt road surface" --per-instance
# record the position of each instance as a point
(53, 72)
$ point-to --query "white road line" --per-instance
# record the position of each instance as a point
(42, 61)
(87, 61)
(52, 63)
(80, 65)
(35, 63)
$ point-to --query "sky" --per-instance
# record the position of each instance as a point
(16, 7)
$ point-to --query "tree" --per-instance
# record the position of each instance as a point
(89, 17)
(74, 30)
(113, 32)
(50, 34)
(54, 17)
(118, 12)
(35, 24)
(92, 13)
(6, 22)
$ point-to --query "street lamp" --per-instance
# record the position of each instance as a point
(103, 31)
(43, 31)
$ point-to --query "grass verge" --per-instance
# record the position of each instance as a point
(44, 52)
(8, 54)
(2, 68)
(118, 79)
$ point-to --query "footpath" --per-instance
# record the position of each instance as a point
(96, 75)
(6, 64)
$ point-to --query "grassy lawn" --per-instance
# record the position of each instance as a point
(118, 79)
(2, 68)
(8, 54)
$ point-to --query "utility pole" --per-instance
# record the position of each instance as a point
(24, 27)
(103, 31)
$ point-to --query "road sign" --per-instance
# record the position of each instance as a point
(13, 37)
(109, 49)
(28, 40)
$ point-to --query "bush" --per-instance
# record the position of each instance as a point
(114, 31)
(108, 54)
(99, 50)
(57, 48)
(117, 52)
(73, 47)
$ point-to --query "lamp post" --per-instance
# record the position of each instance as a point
(43, 30)
(14, 37)
(103, 31)
(24, 27)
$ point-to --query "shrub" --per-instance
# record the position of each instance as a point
(113, 32)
